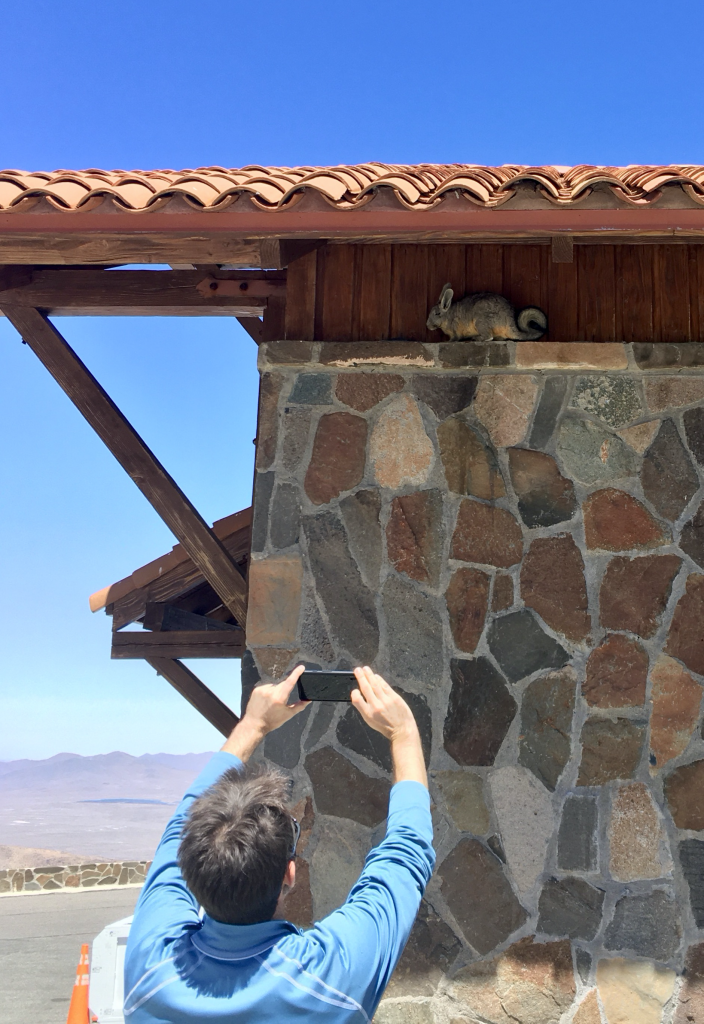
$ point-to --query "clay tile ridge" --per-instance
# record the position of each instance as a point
(417, 187)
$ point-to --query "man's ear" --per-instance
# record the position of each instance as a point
(290, 875)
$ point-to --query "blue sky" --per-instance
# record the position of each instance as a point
(157, 84)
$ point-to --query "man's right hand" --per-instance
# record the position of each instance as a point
(386, 711)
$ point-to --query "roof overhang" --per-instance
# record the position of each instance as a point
(215, 215)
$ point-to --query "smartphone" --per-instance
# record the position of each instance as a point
(323, 685)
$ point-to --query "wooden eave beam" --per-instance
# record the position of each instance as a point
(180, 643)
(196, 693)
(90, 292)
(160, 489)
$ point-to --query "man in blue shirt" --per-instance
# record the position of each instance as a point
(230, 848)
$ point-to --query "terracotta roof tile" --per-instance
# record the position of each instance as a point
(346, 187)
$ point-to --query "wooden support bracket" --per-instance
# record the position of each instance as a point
(196, 693)
(184, 521)
(277, 253)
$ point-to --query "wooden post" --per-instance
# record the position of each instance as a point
(196, 693)
(134, 456)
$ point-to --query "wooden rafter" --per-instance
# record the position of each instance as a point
(90, 292)
(196, 693)
(184, 521)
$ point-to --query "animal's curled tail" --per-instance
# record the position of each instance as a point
(531, 315)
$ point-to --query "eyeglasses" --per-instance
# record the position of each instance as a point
(296, 837)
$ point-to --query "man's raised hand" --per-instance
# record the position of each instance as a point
(268, 708)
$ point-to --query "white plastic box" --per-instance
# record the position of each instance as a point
(106, 993)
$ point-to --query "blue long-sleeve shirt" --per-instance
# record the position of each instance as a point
(179, 968)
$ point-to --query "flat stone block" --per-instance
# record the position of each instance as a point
(676, 698)
(268, 431)
(294, 353)
(522, 647)
(635, 591)
(616, 521)
(577, 837)
(545, 496)
(274, 600)
(444, 394)
(486, 534)
(479, 712)
(375, 353)
(347, 600)
(549, 407)
(637, 840)
(312, 389)
(692, 537)
(617, 673)
(691, 853)
(283, 745)
(414, 631)
(504, 404)
(553, 585)
(570, 907)
(634, 991)
(651, 355)
(338, 457)
(690, 1003)
(686, 638)
(479, 895)
(285, 517)
(668, 477)
(362, 391)
(502, 596)
(588, 1011)
(673, 392)
(529, 983)
(470, 466)
(694, 430)
(463, 793)
(457, 354)
(361, 512)
(296, 428)
(546, 725)
(592, 454)
(640, 436)
(610, 750)
(615, 400)
(526, 820)
(684, 792)
(342, 790)
(415, 535)
(649, 925)
(467, 599)
(579, 355)
(401, 452)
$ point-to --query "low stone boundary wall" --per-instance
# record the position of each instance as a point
(72, 876)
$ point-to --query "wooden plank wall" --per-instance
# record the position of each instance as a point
(646, 292)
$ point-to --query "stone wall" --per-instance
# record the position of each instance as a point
(514, 536)
(72, 876)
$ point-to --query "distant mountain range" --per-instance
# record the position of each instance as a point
(109, 806)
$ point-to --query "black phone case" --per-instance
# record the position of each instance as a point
(321, 685)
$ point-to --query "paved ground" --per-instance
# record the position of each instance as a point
(40, 943)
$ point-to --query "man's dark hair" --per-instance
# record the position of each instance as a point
(236, 844)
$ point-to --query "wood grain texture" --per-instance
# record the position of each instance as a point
(184, 643)
(485, 268)
(633, 268)
(196, 693)
(335, 292)
(372, 299)
(409, 289)
(162, 492)
(525, 274)
(596, 320)
(300, 298)
(561, 304)
(671, 293)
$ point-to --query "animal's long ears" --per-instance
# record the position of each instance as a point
(446, 297)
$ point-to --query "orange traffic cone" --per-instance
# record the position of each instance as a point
(78, 1009)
